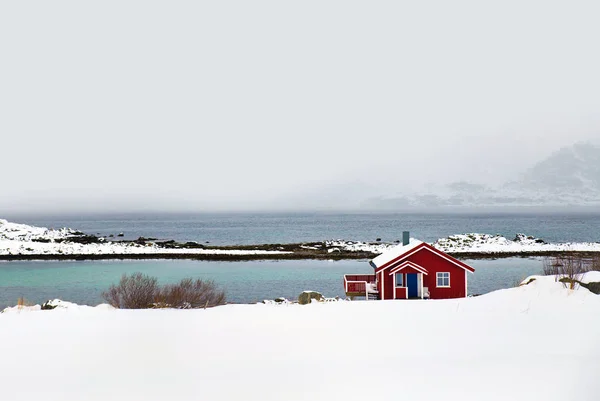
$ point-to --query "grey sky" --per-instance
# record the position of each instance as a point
(223, 105)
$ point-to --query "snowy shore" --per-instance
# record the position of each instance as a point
(476, 243)
(23, 241)
(534, 342)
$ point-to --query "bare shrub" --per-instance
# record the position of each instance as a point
(550, 267)
(189, 293)
(22, 302)
(568, 268)
(595, 263)
(140, 291)
(137, 291)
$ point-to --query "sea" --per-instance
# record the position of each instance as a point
(83, 282)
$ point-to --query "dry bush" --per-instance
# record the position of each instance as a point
(568, 268)
(140, 291)
(137, 291)
(22, 302)
(595, 263)
(189, 293)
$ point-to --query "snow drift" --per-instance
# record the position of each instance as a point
(536, 342)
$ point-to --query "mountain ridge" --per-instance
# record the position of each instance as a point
(568, 177)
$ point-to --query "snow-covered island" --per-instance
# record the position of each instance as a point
(538, 341)
(475, 243)
(25, 241)
(22, 239)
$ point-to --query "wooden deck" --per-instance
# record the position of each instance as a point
(360, 285)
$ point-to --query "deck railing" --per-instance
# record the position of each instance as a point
(359, 283)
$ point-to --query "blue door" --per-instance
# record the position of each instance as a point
(411, 283)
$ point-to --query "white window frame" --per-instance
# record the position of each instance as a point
(399, 285)
(438, 276)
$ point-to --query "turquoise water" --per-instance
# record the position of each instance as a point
(244, 282)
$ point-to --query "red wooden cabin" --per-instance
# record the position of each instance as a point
(412, 270)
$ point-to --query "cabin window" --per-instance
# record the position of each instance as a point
(399, 280)
(443, 279)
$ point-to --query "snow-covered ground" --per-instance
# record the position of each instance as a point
(540, 341)
(24, 232)
(485, 243)
(9, 247)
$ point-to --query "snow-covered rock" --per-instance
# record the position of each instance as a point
(53, 304)
(486, 243)
(24, 232)
(357, 246)
(307, 297)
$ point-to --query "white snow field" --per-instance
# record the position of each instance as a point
(535, 342)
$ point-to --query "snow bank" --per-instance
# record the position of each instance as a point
(473, 243)
(24, 232)
(534, 342)
(55, 304)
(485, 243)
(358, 246)
(591, 277)
(11, 247)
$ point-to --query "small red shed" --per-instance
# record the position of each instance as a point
(412, 270)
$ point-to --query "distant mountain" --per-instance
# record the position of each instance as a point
(568, 177)
(575, 170)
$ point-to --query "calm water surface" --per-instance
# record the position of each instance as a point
(245, 228)
(245, 282)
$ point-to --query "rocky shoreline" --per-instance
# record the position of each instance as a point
(23, 242)
(283, 252)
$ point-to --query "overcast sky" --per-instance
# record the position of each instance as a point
(240, 104)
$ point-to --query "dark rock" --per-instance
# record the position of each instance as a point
(594, 287)
(378, 239)
(307, 296)
(82, 239)
(48, 305)
(120, 235)
(191, 244)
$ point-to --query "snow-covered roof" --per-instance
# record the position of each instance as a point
(393, 253)
(400, 252)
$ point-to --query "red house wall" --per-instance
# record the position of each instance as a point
(400, 293)
(433, 263)
(388, 287)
